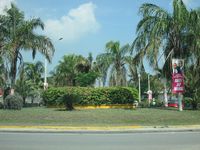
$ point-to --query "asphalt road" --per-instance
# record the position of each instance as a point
(69, 141)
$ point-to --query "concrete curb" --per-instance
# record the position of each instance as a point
(119, 129)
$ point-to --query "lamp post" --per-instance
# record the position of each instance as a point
(45, 74)
(139, 87)
(45, 70)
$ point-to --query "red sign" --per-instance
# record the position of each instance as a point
(177, 83)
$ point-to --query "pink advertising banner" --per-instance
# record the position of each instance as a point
(177, 76)
(177, 83)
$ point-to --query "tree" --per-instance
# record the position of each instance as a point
(20, 35)
(86, 79)
(30, 80)
(162, 32)
(74, 70)
(114, 59)
(66, 72)
(23, 86)
(34, 71)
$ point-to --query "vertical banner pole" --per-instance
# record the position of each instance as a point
(180, 107)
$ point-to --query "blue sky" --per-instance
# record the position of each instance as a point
(86, 25)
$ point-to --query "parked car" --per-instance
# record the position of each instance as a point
(173, 102)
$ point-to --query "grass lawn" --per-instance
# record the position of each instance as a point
(99, 117)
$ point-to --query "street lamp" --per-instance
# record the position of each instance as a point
(139, 87)
(45, 74)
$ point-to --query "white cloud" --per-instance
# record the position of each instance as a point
(76, 24)
(5, 4)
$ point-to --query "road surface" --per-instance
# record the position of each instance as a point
(86, 141)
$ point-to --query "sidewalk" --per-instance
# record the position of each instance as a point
(119, 129)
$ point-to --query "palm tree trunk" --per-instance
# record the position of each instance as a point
(13, 71)
(118, 82)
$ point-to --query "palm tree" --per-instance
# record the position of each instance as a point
(30, 79)
(66, 72)
(192, 74)
(133, 70)
(101, 66)
(114, 59)
(34, 71)
(21, 36)
(162, 32)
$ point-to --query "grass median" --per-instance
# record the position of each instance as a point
(99, 117)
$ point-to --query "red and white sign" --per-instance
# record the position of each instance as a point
(177, 76)
(177, 83)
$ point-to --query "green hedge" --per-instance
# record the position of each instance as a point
(93, 96)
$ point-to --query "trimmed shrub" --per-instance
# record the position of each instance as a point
(92, 96)
(134, 92)
(68, 100)
(13, 102)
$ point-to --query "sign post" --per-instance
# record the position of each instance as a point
(178, 80)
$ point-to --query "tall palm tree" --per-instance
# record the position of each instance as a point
(162, 32)
(133, 70)
(114, 59)
(21, 36)
(192, 74)
(101, 66)
(34, 71)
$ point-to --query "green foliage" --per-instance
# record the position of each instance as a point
(196, 99)
(92, 96)
(144, 104)
(74, 70)
(158, 103)
(1, 105)
(134, 92)
(187, 102)
(114, 59)
(19, 34)
(6, 92)
(86, 79)
(120, 95)
(52, 94)
(68, 100)
(153, 103)
(13, 102)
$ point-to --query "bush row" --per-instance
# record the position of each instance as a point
(93, 96)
